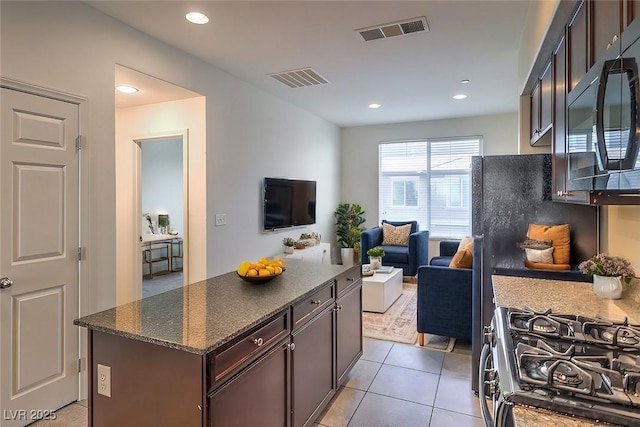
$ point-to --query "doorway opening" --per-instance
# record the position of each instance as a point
(161, 175)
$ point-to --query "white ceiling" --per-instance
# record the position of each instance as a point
(414, 77)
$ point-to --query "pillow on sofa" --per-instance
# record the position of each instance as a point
(463, 257)
(559, 236)
(464, 242)
(395, 236)
(540, 255)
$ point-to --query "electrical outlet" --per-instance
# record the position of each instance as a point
(104, 380)
(221, 219)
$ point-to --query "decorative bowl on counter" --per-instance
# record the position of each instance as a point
(258, 279)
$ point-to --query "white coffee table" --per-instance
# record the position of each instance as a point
(381, 290)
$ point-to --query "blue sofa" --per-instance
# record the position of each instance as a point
(409, 258)
(444, 296)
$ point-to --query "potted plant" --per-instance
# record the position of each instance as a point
(289, 245)
(608, 273)
(375, 257)
(349, 219)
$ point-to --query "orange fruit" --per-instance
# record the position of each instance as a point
(263, 272)
(252, 272)
(278, 270)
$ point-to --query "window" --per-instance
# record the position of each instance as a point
(430, 182)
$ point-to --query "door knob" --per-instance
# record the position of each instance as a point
(5, 282)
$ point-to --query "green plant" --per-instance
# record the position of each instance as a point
(605, 265)
(376, 252)
(349, 218)
(288, 241)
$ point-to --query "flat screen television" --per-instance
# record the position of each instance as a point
(288, 203)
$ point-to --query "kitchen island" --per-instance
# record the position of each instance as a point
(561, 297)
(227, 352)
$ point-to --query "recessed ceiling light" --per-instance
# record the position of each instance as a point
(126, 89)
(197, 18)
(459, 96)
(375, 105)
(464, 82)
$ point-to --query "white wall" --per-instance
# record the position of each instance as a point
(71, 47)
(360, 150)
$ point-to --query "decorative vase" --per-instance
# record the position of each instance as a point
(376, 262)
(607, 287)
(347, 256)
(288, 249)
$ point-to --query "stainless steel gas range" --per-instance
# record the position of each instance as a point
(575, 365)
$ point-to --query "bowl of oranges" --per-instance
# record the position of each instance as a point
(261, 271)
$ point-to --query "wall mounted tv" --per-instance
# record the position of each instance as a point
(288, 203)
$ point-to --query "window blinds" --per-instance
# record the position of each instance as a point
(430, 182)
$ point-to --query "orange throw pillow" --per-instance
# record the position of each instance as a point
(559, 236)
(463, 258)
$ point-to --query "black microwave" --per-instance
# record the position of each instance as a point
(603, 127)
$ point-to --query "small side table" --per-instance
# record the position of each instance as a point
(381, 290)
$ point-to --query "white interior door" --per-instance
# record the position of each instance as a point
(38, 251)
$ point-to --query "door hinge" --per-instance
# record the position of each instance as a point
(82, 254)
(80, 365)
(80, 143)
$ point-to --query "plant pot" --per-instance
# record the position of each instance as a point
(347, 256)
(376, 262)
(288, 249)
(607, 287)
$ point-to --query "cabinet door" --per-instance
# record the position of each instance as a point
(348, 331)
(559, 159)
(606, 25)
(546, 106)
(577, 43)
(632, 10)
(258, 396)
(312, 368)
(535, 112)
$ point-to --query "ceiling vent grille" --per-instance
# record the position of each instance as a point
(300, 78)
(400, 28)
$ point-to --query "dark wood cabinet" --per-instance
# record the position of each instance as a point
(559, 159)
(541, 107)
(313, 382)
(257, 396)
(348, 330)
(578, 58)
(606, 26)
(631, 11)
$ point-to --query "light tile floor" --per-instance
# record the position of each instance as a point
(392, 385)
(396, 385)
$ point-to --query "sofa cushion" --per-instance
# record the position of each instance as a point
(463, 258)
(540, 255)
(395, 254)
(395, 235)
(543, 266)
(559, 236)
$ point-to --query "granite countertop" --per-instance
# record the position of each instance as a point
(202, 316)
(562, 297)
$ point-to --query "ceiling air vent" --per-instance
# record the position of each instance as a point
(400, 28)
(300, 78)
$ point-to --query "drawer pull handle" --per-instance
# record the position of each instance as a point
(350, 279)
(258, 341)
(339, 307)
(316, 302)
(291, 346)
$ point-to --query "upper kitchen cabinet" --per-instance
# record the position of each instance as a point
(578, 58)
(542, 107)
(631, 11)
(606, 26)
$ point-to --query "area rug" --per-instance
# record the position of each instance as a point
(398, 323)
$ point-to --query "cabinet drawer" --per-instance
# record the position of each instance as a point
(346, 280)
(240, 352)
(312, 305)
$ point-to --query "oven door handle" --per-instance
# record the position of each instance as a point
(485, 365)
